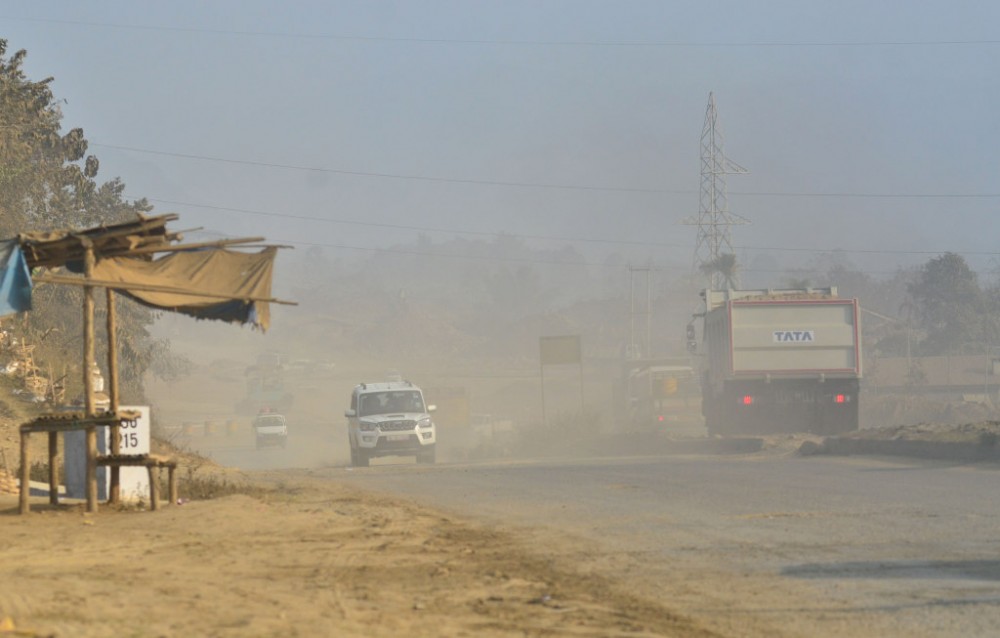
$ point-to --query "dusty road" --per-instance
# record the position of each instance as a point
(757, 544)
(752, 545)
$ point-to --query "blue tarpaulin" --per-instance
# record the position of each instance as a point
(15, 279)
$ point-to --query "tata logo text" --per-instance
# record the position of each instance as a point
(794, 336)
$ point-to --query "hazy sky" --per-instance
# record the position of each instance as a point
(867, 126)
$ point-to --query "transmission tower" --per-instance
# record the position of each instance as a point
(714, 219)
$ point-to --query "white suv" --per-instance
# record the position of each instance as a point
(390, 419)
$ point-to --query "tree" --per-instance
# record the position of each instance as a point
(948, 304)
(796, 283)
(47, 181)
(725, 267)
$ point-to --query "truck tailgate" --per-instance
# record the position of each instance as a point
(795, 337)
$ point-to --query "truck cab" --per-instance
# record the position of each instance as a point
(390, 419)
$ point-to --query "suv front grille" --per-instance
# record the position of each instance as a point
(396, 426)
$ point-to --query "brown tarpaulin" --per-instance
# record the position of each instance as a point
(240, 280)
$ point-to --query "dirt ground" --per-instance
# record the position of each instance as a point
(303, 558)
(299, 555)
(294, 555)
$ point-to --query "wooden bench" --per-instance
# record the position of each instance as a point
(152, 463)
(52, 425)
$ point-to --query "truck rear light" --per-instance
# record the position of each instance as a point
(840, 398)
(747, 399)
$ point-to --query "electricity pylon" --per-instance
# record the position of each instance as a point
(714, 219)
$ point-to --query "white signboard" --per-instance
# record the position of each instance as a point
(135, 434)
(134, 481)
(556, 350)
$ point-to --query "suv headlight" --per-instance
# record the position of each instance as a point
(366, 426)
(424, 422)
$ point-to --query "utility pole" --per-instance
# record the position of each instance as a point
(714, 219)
(640, 310)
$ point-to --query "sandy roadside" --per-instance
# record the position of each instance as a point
(308, 558)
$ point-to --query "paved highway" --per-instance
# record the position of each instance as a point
(752, 545)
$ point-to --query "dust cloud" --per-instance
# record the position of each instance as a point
(462, 320)
(465, 330)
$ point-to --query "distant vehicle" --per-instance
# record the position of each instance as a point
(780, 361)
(270, 430)
(659, 394)
(265, 386)
(390, 419)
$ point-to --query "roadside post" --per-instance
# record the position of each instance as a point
(559, 350)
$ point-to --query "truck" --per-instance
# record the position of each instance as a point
(265, 386)
(780, 360)
(658, 395)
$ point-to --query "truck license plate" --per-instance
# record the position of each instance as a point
(398, 437)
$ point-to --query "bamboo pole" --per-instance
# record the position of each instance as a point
(172, 486)
(174, 248)
(88, 379)
(24, 505)
(114, 495)
(53, 468)
(154, 487)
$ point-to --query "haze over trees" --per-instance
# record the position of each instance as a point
(954, 312)
(48, 182)
(493, 298)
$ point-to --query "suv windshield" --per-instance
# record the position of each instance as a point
(272, 419)
(391, 401)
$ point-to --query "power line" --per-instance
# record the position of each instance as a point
(428, 229)
(403, 251)
(424, 178)
(453, 231)
(870, 195)
(516, 42)
(526, 260)
(541, 185)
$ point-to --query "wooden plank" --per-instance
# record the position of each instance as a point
(68, 426)
(136, 460)
(76, 420)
